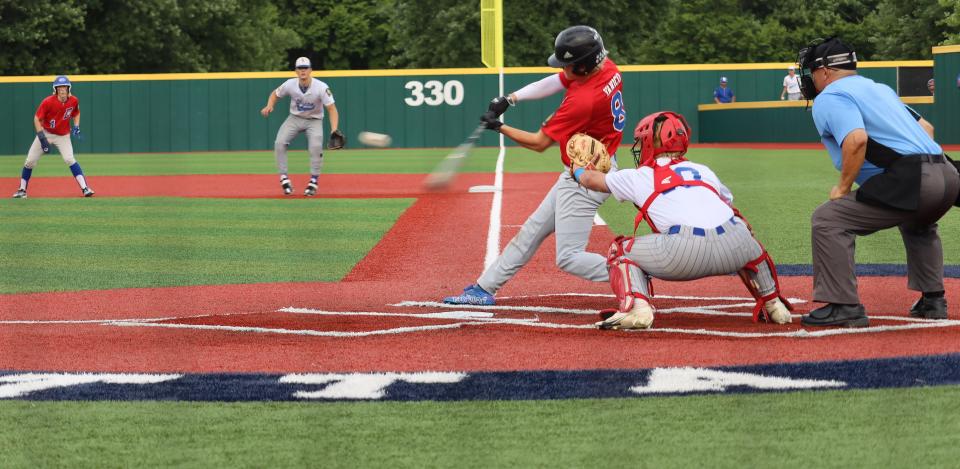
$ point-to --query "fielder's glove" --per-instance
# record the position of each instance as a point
(76, 133)
(587, 152)
(499, 105)
(490, 121)
(44, 144)
(337, 140)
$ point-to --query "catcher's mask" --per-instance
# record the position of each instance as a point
(674, 133)
(830, 53)
(580, 46)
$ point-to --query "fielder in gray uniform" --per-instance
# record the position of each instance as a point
(904, 179)
(593, 104)
(696, 231)
(308, 98)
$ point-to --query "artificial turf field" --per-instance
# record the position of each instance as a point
(102, 243)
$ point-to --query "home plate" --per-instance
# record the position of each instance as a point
(483, 189)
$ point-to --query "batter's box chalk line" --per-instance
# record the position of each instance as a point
(470, 315)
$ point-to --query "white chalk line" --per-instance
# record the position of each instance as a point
(473, 315)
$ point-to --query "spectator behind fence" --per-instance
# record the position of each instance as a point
(791, 85)
(723, 94)
(930, 86)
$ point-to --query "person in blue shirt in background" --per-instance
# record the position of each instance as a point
(904, 179)
(723, 94)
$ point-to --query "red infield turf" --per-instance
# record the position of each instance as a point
(382, 316)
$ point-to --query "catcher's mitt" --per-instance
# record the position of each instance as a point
(587, 152)
(337, 140)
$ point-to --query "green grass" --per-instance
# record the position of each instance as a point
(100, 243)
(914, 427)
(394, 161)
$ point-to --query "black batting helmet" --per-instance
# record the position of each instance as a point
(580, 46)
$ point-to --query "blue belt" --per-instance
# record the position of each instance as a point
(700, 231)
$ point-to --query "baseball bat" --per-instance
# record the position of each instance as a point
(444, 173)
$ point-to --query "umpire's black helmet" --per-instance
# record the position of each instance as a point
(580, 46)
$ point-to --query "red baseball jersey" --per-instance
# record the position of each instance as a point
(55, 116)
(594, 107)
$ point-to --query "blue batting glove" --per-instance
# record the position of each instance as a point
(44, 144)
(76, 133)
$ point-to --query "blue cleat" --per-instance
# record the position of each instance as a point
(472, 295)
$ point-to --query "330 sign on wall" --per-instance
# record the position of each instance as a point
(434, 93)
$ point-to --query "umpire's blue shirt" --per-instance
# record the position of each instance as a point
(855, 102)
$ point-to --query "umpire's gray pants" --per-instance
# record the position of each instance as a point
(291, 127)
(568, 209)
(687, 256)
(837, 223)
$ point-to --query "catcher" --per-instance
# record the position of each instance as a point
(308, 98)
(696, 230)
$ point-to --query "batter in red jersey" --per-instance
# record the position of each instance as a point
(52, 123)
(593, 104)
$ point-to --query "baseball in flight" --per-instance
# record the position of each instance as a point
(373, 139)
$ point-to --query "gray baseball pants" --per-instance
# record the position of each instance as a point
(291, 127)
(568, 209)
(837, 223)
(685, 255)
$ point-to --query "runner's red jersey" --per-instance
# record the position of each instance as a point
(594, 107)
(55, 116)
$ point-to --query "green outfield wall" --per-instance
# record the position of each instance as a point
(946, 72)
(772, 121)
(418, 108)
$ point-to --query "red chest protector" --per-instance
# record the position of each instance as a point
(665, 179)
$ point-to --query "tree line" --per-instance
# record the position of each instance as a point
(44, 37)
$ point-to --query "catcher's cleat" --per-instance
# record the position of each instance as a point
(472, 295)
(286, 186)
(640, 316)
(88, 192)
(777, 311)
(311, 190)
(20, 194)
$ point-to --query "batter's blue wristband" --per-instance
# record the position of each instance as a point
(576, 174)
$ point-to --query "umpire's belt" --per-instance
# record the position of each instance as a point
(703, 231)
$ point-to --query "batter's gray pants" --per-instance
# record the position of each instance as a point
(291, 127)
(688, 256)
(568, 209)
(837, 223)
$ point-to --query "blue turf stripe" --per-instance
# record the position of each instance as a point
(867, 270)
(519, 385)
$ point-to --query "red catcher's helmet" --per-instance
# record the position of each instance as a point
(674, 137)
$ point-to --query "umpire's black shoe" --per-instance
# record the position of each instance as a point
(837, 315)
(930, 308)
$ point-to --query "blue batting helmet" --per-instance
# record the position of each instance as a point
(62, 80)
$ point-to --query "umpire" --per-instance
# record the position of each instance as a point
(904, 179)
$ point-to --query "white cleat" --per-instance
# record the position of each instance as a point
(777, 311)
(20, 194)
(640, 316)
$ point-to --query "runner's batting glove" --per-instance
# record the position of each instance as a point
(490, 121)
(76, 133)
(44, 144)
(500, 104)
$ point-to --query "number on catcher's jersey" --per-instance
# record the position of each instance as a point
(694, 172)
(619, 113)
